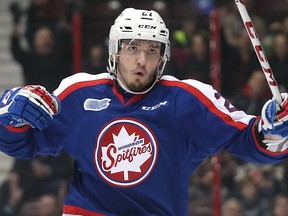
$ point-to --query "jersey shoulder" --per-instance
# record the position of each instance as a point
(190, 85)
(80, 80)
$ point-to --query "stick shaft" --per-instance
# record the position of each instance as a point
(259, 51)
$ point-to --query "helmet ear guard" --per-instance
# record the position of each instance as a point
(138, 24)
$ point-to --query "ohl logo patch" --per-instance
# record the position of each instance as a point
(126, 152)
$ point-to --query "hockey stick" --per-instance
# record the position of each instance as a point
(259, 51)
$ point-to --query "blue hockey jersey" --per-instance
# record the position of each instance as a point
(134, 154)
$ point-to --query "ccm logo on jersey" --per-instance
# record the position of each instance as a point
(126, 152)
(96, 104)
(156, 106)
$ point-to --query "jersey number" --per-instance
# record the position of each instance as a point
(227, 104)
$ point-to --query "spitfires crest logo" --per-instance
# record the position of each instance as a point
(126, 152)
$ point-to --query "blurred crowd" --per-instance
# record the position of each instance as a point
(45, 52)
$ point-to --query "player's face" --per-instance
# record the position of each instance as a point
(137, 63)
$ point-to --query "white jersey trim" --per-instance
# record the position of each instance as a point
(80, 77)
(209, 92)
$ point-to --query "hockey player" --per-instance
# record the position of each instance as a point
(136, 136)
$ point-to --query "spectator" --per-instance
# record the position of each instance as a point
(285, 25)
(182, 41)
(229, 29)
(269, 182)
(201, 183)
(30, 179)
(10, 195)
(48, 61)
(46, 205)
(232, 207)
(229, 166)
(30, 208)
(43, 13)
(50, 205)
(236, 45)
(198, 65)
(96, 61)
(279, 59)
(250, 198)
(232, 24)
(47, 174)
(181, 38)
(253, 95)
(247, 61)
(280, 205)
(200, 207)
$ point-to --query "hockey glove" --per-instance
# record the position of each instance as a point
(31, 105)
(274, 124)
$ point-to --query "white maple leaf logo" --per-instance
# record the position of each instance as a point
(128, 153)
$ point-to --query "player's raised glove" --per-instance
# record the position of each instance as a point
(274, 124)
(31, 105)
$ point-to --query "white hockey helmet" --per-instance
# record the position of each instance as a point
(138, 24)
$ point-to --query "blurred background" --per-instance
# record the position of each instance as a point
(43, 41)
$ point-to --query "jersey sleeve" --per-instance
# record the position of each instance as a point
(27, 142)
(211, 124)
